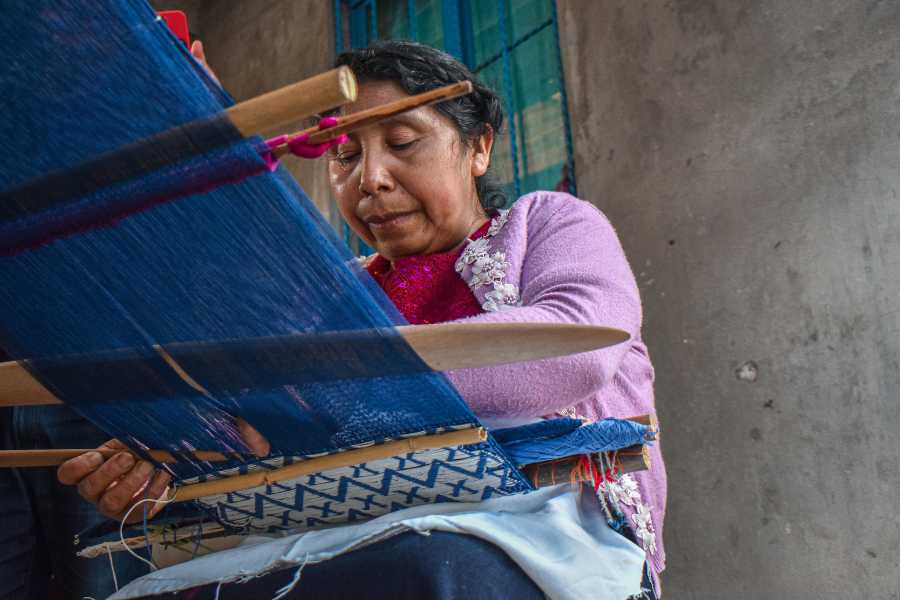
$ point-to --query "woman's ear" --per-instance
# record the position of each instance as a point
(481, 152)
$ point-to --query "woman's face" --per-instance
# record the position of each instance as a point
(406, 185)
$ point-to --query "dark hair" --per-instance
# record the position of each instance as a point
(418, 68)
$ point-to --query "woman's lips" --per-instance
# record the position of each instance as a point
(387, 222)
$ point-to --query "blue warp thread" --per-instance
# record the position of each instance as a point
(251, 259)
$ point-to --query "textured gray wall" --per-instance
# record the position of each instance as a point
(749, 155)
(255, 46)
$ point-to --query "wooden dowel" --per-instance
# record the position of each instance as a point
(294, 102)
(648, 420)
(55, 457)
(572, 470)
(634, 458)
(369, 117)
(443, 347)
(348, 458)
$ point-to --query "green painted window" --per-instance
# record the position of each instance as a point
(512, 45)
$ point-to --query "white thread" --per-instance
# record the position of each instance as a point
(287, 589)
(218, 589)
(128, 549)
(600, 492)
(112, 567)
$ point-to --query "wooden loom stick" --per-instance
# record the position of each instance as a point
(294, 102)
(57, 456)
(373, 115)
(443, 347)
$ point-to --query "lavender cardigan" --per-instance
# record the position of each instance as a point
(554, 258)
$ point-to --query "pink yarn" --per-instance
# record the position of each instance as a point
(299, 145)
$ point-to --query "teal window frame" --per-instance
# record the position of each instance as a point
(356, 26)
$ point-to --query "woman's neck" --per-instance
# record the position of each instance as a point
(477, 223)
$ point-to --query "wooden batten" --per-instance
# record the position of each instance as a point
(443, 347)
(19, 388)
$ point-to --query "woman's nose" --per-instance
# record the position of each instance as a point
(375, 177)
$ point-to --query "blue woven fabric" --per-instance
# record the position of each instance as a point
(548, 428)
(89, 83)
(600, 436)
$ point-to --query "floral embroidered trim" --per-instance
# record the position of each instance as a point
(497, 223)
(572, 413)
(644, 523)
(489, 268)
(624, 491)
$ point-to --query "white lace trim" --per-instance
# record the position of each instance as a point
(644, 523)
(624, 492)
(497, 223)
(489, 268)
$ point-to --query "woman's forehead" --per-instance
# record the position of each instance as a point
(375, 93)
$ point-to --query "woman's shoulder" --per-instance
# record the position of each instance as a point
(558, 212)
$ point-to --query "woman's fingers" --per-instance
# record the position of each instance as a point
(254, 439)
(156, 490)
(117, 498)
(74, 470)
(116, 484)
(199, 53)
(93, 485)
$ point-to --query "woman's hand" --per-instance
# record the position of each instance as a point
(118, 483)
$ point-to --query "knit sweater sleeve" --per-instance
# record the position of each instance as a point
(574, 271)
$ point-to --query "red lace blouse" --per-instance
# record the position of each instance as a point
(426, 288)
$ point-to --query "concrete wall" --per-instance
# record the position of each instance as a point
(749, 155)
(255, 46)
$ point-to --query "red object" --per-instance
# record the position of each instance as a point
(177, 22)
(426, 288)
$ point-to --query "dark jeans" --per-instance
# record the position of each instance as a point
(409, 565)
(39, 517)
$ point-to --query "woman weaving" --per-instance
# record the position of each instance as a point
(416, 188)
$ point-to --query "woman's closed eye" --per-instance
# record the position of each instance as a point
(401, 145)
(345, 158)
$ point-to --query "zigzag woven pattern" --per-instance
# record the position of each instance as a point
(368, 490)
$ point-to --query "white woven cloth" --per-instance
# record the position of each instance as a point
(557, 535)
